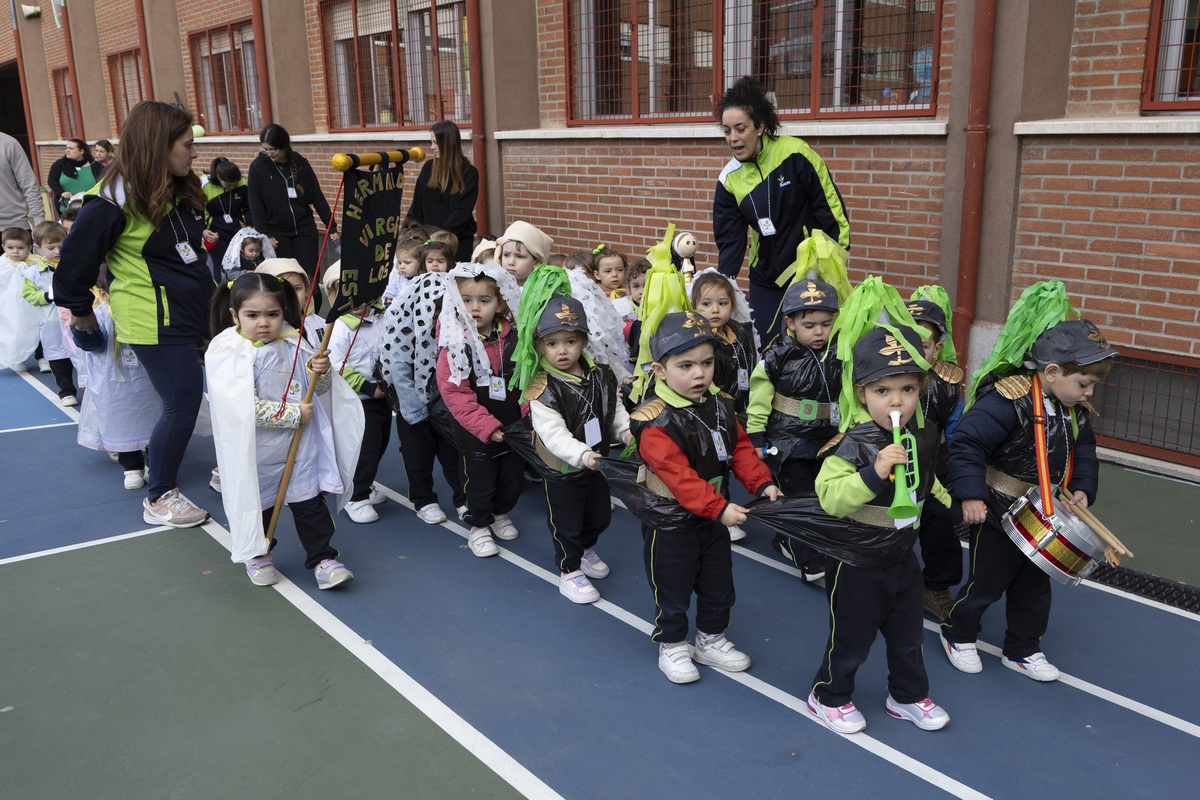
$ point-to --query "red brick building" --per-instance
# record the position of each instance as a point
(596, 125)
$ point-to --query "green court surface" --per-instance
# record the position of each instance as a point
(150, 668)
(1157, 518)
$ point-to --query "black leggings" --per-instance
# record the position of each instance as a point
(178, 377)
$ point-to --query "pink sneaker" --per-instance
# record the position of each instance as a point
(925, 714)
(842, 719)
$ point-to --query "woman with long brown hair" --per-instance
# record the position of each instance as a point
(145, 219)
(447, 187)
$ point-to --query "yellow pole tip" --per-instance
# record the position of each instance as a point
(342, 162)
(417, 153)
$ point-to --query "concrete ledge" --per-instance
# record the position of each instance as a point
(709, 130)
(1155, 466)
(1108, 125)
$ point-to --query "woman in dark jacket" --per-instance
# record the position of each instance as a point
(227, 209)
(283, 193)
(74, 173)
(447, 188)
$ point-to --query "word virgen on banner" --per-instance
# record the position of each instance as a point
(370, 222)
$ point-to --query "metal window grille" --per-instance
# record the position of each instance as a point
(67, 124)
(870, 57)
(226, 75)
(1172, 78)
(1148, 405)
(392, 64)
(125, 78)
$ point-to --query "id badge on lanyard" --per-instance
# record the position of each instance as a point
(765, 226)
(292, 193)
(186, 252)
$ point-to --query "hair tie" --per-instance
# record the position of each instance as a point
(596, 250)
(427, 242)
(231, 283)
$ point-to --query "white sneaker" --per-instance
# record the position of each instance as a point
(114, 458)
(135, 478)
(736, 534)
(431, 514)
(503, 527)
(481, 543)
(676, 663)
(331, 573)
(925, 714)
(721, 653)
(173, 510)
(261, 570)
(839, 719)
(592, 566)
(377, 496)
(361, 511)
(1035, 666)
(43, 365)
(69, 401)
(577, 588)
(214, 482)
(963, 655)
(462, 512)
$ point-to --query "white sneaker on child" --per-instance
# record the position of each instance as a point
(1035, 666)
(214, 482)
(43, 365)
(592, 566)
(577, 588)
(261, 570)
(69, 401)
(462, 512)
(839, 719)
(431, 514)
(377, 496)
(676, 663)
(964, 656)
(361, 511)
(331, 573)
(135, 478)
(719, 652)
(173, 510)
(481, 543)
(925, 714)
(503, 527)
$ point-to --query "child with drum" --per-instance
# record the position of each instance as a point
(1027, 414)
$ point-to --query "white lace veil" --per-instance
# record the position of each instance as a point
(410, 335)
(458, 328)
(606, 328)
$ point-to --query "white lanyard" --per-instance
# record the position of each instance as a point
(750, 193)
(820, 370)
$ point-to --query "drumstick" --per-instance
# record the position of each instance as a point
(1096, 525)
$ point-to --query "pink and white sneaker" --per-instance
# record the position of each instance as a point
(925, 714)
(842, 719)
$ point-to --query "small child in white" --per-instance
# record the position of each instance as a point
(19, 320)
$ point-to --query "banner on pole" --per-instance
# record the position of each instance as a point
(371, 219)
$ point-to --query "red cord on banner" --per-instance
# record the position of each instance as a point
(354, 338)
(312, 285)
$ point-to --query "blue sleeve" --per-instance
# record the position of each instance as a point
(982, 429)
(95, 232)
(729, 232)
(953, 420)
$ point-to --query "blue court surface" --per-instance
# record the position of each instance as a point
(559, 700)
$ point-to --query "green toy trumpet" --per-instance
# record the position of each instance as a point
(904, 475)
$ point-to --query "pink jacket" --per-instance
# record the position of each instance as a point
(461, 399)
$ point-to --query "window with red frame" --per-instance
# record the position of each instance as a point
(125, 78)
(226, 75)
(1172, 81)
(389, 65)
(818, 58)
(65, 97)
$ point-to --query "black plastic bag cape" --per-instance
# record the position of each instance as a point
(519, 437)
(662, 514)
(801, 518)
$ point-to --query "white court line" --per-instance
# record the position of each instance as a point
(39, 427)
(862, 740)
(49, 395)
(483, 748)
(1150, 712)
(82, 545)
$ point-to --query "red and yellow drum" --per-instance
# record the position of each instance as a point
(1064, 547)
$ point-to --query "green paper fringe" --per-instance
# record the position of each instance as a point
(938, 295)
(543, 284)
(665, 293)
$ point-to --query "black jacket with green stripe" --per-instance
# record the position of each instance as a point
(156, 296)
(788, 183)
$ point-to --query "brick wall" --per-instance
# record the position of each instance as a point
(1108, 56)
(625, 192)
(195, 18)
(116, 27)
(320, 96)
(54, 46)
(8, 45)
(1114, 218)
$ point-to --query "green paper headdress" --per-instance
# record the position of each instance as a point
(664, 293)
(828, 258)
(937, 294)
(1039, 308)
(872, 304)
(543, 284)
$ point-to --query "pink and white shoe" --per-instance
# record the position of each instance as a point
(842, 719)
(925, 714)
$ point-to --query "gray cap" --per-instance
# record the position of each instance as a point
(879, 354)
(679, 331)
(925, 310)
(1074, 341)
(810, 295)
(562, 314)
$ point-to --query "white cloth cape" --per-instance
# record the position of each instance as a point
(229, 364)
(19, 321)
(120, 407)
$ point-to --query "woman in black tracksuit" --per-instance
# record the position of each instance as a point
(283, 193)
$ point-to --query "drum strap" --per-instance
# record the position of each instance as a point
(1039, 443)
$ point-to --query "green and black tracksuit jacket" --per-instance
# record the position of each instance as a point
(156, 296)
(788, 183)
